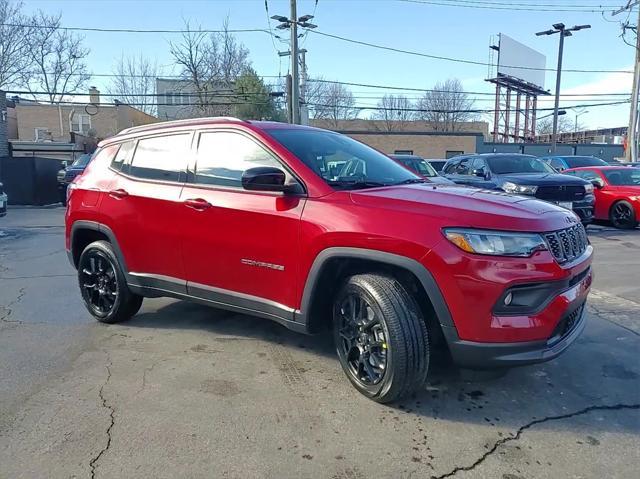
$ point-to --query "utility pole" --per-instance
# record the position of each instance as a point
(295, 86)
(304, 109)
(564, 32)
(631, 152)
(293, 22)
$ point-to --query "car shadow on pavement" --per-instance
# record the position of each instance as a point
(588, 379)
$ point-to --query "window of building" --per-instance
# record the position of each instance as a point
(452, 153)
(123, 157)
(80, 123)
(403, 152)
(161, 157)
(224, 156)
(168, 98)
(41, 134)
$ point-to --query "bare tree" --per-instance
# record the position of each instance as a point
(14, 45)
(394, 111)
(446, 106)
(565, 125)
(134, 82)
(57, 58)
(331, 101)
(209, 65)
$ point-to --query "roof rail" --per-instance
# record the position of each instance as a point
(166, 124)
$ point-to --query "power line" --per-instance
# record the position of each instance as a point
(450, 59)
(130, 30)
(511, 6)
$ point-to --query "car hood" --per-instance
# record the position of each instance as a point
(542, 179)
(439, 180)
(456, 205)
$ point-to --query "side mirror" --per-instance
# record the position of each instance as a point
(479, 172)
(597, 183)
(266, 178)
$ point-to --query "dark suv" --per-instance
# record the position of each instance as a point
(523, 175)
(68, 174)
(250, 217)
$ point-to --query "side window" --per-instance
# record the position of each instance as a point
(557, 164)
(161, 157)
(223, 156)
(123, 156)
(450, 167)
(463, 167)
(477, 164)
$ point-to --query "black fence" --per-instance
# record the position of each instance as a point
(30, 180)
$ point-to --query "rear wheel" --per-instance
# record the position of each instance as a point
(103, 286)
(381, 338)
(622, 215)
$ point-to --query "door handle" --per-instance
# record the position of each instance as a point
(118, 194)
(197, 204)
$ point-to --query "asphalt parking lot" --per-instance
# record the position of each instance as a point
(182, 390)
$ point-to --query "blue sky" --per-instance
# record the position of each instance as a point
(452, 31)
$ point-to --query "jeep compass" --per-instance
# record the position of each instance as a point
(250, 217)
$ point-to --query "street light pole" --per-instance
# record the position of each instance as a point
(564, 32)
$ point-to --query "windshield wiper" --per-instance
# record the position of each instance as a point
(356, 183)
(411, 181)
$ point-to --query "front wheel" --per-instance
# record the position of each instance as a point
(381, 338)
(622, 215)
(103, 286)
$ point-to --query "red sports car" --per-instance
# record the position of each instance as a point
(617, 190)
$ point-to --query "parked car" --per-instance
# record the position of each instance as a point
(3, 201)
(561, 163)
(246, 216)
(437, 164)
(420, 167)
(617, 190)
(523, 175)
(69, 173)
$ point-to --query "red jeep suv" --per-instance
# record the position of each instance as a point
(249, 216)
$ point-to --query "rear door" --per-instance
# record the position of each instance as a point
(239, 246)
(144, 209)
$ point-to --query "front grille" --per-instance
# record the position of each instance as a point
(560, 193)
(567, 244)
(566, 325)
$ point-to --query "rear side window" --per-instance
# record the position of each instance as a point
(223, 156)
(123, 156)
(161, 158)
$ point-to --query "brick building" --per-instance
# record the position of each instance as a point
(34, 121)
(412, 137)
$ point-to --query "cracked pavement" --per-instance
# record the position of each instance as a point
(182, 390)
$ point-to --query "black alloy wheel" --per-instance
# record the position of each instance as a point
(103, 285)
(362, 340)
(98, 282)
(380, 337)
(622, 215)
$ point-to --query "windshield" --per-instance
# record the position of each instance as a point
(502, 165)
(580, 161)
(341, 161)
(419, 165)
(82, 160)
(623, 177)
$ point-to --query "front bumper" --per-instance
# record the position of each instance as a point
(584, 209)
(3, 204)
(474, 355)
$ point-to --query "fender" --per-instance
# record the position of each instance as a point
(424, 276)
(95, 226)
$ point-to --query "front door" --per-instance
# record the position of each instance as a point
(239, 247)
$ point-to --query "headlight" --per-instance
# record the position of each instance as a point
(588, 188)
(519, 189)
(495, 243)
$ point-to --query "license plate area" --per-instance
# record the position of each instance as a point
(567, 205)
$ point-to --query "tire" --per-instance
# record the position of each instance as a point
(381, 338)
(103, 285)
(622, 215)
